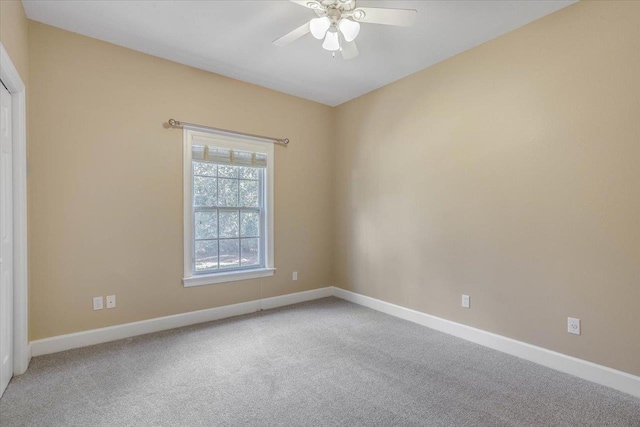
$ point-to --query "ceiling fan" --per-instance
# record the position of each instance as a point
(338, 23)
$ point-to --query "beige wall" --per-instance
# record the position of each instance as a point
(14, 35)
(105, 182)
(509, 173)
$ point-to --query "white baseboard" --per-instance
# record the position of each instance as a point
(289, 299)
(603, 375)
(112, 333)
(599, 374)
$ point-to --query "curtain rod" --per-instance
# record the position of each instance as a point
(176, 123)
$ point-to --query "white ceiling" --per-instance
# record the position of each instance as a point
(233, 38)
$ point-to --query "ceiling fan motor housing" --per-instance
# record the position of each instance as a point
(338, 9)
(327, 7)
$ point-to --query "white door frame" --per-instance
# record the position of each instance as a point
(10, 77)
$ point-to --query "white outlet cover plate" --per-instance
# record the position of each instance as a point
(573, 325)
(111, 301)
(294, 276)
(466, 301)
(97, 303)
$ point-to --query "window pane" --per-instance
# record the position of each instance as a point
(249, 193)
(250, 252)
(229, 253)
(228, 192)
(206, 255)
(229, 224)
(204, 191)
(206, 225)
(202, 168)
(228, 171)
(248, 173)
(249, 224)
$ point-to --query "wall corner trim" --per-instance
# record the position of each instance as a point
(127, 330)
(618, 380)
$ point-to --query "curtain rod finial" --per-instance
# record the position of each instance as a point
(173, 122)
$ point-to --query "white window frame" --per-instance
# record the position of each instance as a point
(194, 136)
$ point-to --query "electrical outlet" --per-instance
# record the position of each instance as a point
(573, 325)
(466, 301)
(97, 303)
(111, 301)
(294, 276)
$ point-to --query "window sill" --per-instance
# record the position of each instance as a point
(231, 276)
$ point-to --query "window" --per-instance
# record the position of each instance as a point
(228, 208)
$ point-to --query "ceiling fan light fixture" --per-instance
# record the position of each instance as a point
(331, 41)
(337, 23)
(349, 29)
(319, 27)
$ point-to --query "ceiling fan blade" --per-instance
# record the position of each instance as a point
(349, 50)
(375, 15)
(292, 36)
(311, 4)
